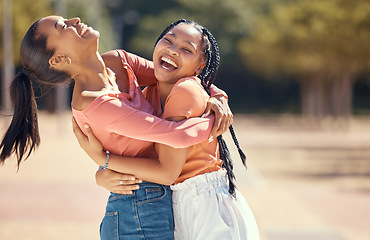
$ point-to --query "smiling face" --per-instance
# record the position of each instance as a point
(178, 54)
(68, 37)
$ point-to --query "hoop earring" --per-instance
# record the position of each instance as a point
(69, 61)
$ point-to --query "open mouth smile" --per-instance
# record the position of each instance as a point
(168, 64)
(84, 28)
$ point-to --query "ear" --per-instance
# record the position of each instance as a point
(55, 60)
(59, 60)
(200, 69)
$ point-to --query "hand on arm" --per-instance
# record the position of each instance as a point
(111, 181)
(223, 115)
(163, 171)
(105, 178)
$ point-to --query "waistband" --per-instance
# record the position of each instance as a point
(212, 179)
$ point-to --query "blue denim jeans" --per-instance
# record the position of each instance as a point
(145, 214)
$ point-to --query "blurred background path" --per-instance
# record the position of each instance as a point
(302, 183)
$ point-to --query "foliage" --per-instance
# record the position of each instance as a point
(24, 14)
(322, 43)
(304, 37)
(235, 14)
(230, 21)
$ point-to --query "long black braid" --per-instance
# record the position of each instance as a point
(207, 77)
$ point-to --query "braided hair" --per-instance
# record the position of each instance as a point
(207, 77)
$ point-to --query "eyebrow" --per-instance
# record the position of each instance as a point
(187, 41)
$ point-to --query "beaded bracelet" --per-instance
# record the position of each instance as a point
(106, 163)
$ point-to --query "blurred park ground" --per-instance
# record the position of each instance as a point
(298, 77)
(302, 183)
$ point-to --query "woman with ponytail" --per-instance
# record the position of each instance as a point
(206, 203)
(22, 136)
(106, 95)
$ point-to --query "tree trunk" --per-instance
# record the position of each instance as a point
(327, 102)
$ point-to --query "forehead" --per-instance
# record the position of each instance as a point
(186, 31)
(47, 24)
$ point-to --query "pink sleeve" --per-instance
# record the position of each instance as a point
(216, 91)
(142, 68)
(114, 116)
(187, 98)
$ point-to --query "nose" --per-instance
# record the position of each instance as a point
(74, 21)
(173, 51)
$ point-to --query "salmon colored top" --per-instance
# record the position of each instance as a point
(188, 98)
(124, 122)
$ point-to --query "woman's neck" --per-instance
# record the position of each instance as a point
(92, 74)
(93, 79)
(164, 90)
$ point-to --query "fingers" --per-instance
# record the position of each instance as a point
(207, 112)
(91, 137)
(76, 129)
(123, 189)
(223, 117)
(216, 125)
(126, 186)
(129, 181)
(117, 182)
(81, 138)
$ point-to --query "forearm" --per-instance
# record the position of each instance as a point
(148, 169)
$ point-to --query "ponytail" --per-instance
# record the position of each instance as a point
(22, 136)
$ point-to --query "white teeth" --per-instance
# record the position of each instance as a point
(169, 61)
(83, 31)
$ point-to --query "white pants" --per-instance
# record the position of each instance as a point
(204, 210)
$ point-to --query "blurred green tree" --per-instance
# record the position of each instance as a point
(24, 14)
(322, 43)
(228, 20)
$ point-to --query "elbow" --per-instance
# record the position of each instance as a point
(168, 179)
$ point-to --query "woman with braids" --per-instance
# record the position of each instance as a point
(56, 50)
(206, 204)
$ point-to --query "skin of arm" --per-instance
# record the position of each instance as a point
(97, 154)
(163, 170)
(217, 103)
(110, 179)
(170, 162)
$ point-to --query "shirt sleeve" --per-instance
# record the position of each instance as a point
(187, 98)
(115, 116)
(143, 68)
(216, 91)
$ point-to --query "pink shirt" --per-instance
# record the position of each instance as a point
(124, 122)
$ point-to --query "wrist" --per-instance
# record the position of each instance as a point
(99, 158)
(106, 160)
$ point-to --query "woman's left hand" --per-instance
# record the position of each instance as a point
(223, 115)
(90, 144)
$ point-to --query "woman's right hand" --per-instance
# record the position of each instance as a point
(112, 180)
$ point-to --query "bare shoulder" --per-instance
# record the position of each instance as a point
(112, 60)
